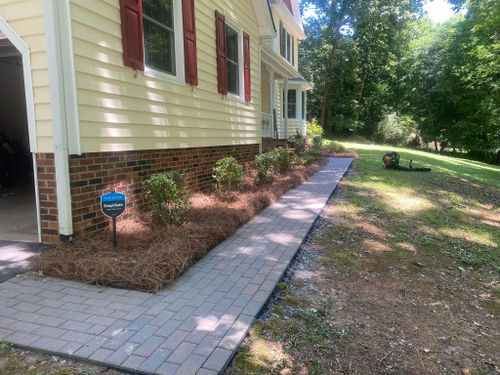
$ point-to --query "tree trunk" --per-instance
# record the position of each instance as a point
(436, 146)
(326, 91)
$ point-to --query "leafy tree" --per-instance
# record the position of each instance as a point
(371, 58)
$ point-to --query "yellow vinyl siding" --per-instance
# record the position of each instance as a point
(26, 17)
(123, 110)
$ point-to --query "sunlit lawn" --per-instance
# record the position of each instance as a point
(404, 277)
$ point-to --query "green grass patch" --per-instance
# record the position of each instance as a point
(405, 257)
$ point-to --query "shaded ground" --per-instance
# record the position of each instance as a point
(18, 221)
(402, 277)
(15, 361)
(17, 257)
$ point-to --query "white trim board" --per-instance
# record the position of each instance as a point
(61, 58)
(63, 100)
(23, 48)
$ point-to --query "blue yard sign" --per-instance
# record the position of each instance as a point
(113, 205)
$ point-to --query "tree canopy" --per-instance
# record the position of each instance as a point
(381, 69)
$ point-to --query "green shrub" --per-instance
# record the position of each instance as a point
(282, 159)
(396, 130)
(264, 164)
(329, 146)
(318, 141)
(297, 142)
(314, 129)
(167, 194)
(228, 174)
(310, 155)
(307, 159)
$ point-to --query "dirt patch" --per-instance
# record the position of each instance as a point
(152, 255)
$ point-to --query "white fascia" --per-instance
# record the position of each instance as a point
(289, 21)
(264, 18)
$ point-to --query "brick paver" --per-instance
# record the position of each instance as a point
(195, 326)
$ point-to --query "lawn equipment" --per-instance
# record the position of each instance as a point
(391, 161)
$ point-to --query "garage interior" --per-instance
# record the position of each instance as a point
(18, 217)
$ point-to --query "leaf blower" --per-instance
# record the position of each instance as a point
(391, 161)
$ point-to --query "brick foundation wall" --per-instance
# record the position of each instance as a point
(47, 195)
(268, 143)
(93, 174)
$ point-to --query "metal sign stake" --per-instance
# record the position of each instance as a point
(114, 234)
(113, 205)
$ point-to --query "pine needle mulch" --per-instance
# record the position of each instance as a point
(151, 255)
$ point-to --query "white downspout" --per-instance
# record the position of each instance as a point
(59, 119)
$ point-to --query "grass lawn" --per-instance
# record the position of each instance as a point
(402, 277)
(15, 361)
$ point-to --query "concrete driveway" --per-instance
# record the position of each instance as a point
(17, 257)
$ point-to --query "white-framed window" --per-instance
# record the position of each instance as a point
(234, 51)
(287, 41)
(163, 39)
(291, 111)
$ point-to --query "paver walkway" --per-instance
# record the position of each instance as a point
(193, 327)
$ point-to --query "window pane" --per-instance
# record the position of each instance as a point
(288, 47)
(159, 38)
(233, 78)
(233, 64)
(232, 44)
(283, 41)
(292, 103)
(159, 10)
(159, 47)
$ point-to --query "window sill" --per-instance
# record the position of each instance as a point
(236, 98)
(157, 74)
(285, 59)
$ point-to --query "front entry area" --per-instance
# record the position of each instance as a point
(18, 208)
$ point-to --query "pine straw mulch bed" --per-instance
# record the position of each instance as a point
(152, 255)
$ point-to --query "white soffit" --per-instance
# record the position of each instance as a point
(264, 18)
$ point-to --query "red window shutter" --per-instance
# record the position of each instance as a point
(220, 32)
(132, 33)
(190, 53)
(247, 67)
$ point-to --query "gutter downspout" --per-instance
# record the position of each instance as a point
(59, 118)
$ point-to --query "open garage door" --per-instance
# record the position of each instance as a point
(18, 203)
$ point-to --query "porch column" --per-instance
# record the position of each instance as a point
(285, 100)
(298, 113)
(305, 106)
(272, 105)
